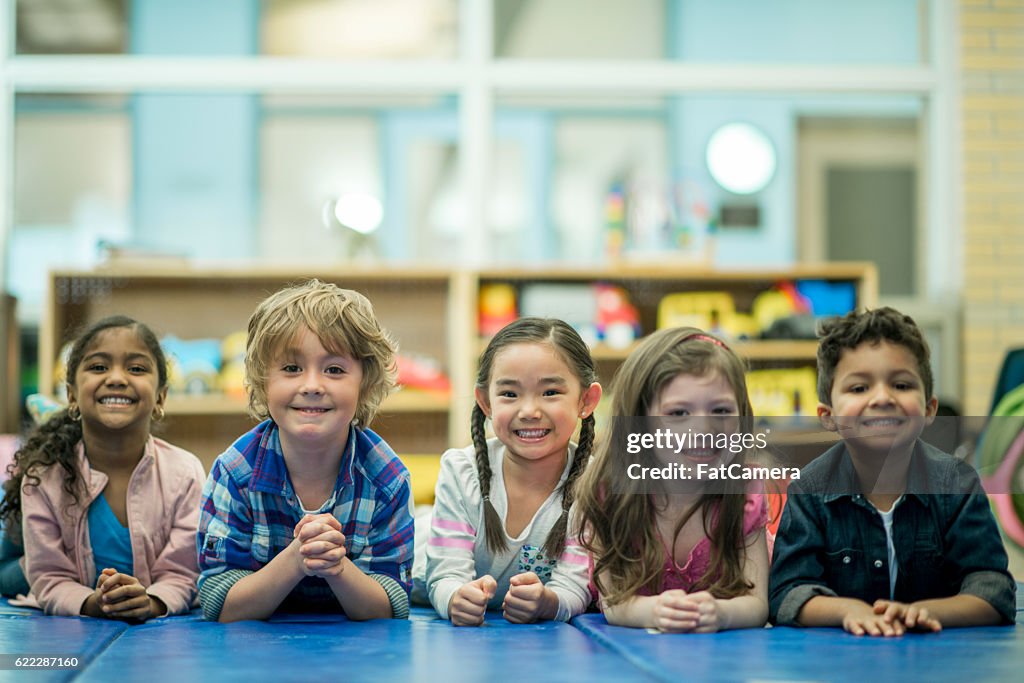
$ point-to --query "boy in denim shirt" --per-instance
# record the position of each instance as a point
(884, 533)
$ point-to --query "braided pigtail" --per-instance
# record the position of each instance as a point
(555, 542)
(492, 522)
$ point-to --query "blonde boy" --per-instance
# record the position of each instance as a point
(884, 533)
(310, 510)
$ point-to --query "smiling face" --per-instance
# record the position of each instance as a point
(705, 404)
(878, 398)
(116, 385)
(312, 394)
(534, 401)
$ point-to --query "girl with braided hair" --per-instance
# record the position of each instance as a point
(498, 532)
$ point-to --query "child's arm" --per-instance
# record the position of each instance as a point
(974, 547)
(797, 574)
(50, 571)
(450, 549)
(375, 584)
(743, 611)
(932, 615)
(259, 594)
(232, 585)
(174, 571)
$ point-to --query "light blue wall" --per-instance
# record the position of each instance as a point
(806, 31)
(776, 31)
(195, 157)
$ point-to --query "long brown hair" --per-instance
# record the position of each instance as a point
(619, 527)
(54, 442)
(568, 344)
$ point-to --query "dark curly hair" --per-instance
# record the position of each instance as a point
(872, 326)
(54, 441)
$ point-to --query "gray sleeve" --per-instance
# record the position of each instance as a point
(995, 588)
(796, 598)
(396, 595)
(214, 590)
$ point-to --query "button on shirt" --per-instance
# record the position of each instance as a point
(832, 542)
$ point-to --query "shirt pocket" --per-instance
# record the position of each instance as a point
(532, 559)
(213, 551)
(845, 572)
(926, 570)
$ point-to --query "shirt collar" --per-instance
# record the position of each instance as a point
(269, 471)
(843, 483)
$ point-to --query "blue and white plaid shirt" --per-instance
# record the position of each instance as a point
(250, 510)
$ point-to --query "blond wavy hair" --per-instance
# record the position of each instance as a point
(343, 321)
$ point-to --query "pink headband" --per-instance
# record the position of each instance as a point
(704, 337)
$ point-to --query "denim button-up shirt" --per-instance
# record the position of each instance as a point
(831, 540)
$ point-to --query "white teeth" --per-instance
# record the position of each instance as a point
(531, 433)
(116, 400)
(887, 422)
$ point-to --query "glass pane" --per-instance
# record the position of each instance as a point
(347, 178)
(356, 29)
(332, 29)
(229, 177)
(46, 27)
(798, 31)
(72, 187)
(592, 182)
(708, 31)
(574, 29)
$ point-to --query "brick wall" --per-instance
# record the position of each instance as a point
(992, 110)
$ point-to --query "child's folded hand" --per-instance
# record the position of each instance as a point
(912, 616)
(864, 621)
(321, 545)
(523, 600)
(708, 614)
(469, 604)
(675, 612)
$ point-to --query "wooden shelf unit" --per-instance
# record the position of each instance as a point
(424, 309)
(647, 284)
(432, 312)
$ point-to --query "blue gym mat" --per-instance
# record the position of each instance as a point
(425, 648)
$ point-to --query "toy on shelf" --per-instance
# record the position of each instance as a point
(576, 304)
(192, 364)
(422, 373)
(231, 380)
(789, 392)
(497, 307)
(618, 321)
(711, 311)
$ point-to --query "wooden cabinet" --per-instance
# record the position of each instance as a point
(432, 312)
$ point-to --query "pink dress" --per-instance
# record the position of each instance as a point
(755, 516)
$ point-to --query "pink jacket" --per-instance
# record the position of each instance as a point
(163, 513)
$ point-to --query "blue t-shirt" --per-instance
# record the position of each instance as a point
(111, 542)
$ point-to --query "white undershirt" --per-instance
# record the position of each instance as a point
(887, 517)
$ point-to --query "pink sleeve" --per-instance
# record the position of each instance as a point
(50, 571)
(176, 568)
(755, 513)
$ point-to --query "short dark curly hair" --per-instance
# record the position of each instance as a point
(871, 326)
